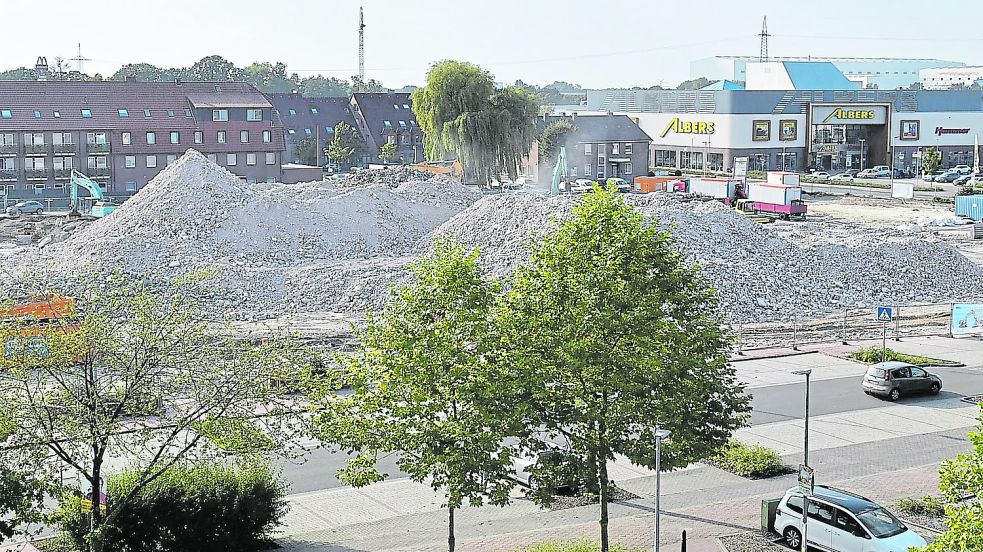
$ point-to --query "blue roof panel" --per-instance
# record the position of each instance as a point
(817, 75)
(723, 85)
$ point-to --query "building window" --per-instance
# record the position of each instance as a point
(255, 114)
(404, 139)
(131, 186)
(199, 137)
(130, 161)
(402, 124)
(171, 158)
(396, 107)
(267, 136)
(213, 158)
(123, 113)
(293, 112)
(6, 139)
(187, 113)
(600, 169)
(37, 114)
(56, 114)
(587, 149)
(151, 161)
(62, 163)
(220, 115)
(5, 114)
(664, 158)
(151, 138)
(36, 139)
(313, 110)
(96, 162)
(126, 138)
(388, 124)
(86, 113)
(391, 139)
(628, 168)
(170, 113)
(175, 137)
(250, 158)
(271, 159)
(587, 169)
(146, 113)
(614, 148)
(230, 159)
(291, 131)
(573, 172)
(221, 137)
(95, 138)
(307, 131)
(406, 106)
(627, 149)
(244, 136)
(35, 163)
(416, 139)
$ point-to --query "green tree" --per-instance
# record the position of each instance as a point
(305, 150)
(425, 390)
(215, 68)
(552, 137)
(461, 114)
(325, 87)
(347, 143)
(931, 160)
(959, 478)
(387, 152)
(269, 77)
(613, 336)
(21, 499)
(147, 72)
(372, 85)
(131, 376)
(695, 84)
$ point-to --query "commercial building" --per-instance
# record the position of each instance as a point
(313, 118)
(882, 73)
(387, 118)
(793, 130)
(121, 134)
(598, 147)
(947, 77)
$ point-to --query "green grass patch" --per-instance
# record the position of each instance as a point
(236, 435)
(579, 545)
(751, 461)
(925, 506)
(873, 355)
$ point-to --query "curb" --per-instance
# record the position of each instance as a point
(777, 354)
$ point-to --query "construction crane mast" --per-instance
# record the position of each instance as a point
(361, 50)
(764, 39)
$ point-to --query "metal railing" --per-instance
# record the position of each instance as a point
(63, 173)
(35, 149)
(849, 325)
(36, 174)
(93, 147)
(66, 148)
(10, 175)
(8, 149)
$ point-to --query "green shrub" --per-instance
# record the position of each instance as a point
(192, 509)
(927, 506)
(752, 461)
(872, 355)
(580, 545)
(235, 435)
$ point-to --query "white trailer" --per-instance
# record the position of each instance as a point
(784, 178)
(775, 194)
(719, 188)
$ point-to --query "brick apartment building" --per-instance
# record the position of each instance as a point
(304, 117)
(121, 134)
(387, 118)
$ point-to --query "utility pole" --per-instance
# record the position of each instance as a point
(79, 60)
(764, 40)
(361, 50)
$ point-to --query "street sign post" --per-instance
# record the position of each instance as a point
(885, 315)
(806, 479)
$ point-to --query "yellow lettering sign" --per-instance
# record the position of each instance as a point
(841, 114)
(687, 127)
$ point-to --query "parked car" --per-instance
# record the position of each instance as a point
(963, 169)
(894, 379)
(881, 171)
(964, 179)
(581, 185)
(931, 177)
(947, 176)
(843, 522)
(623, 185)
(25, 207)
(842, 177)
(821, 176)
(867, 173)
(852, 172)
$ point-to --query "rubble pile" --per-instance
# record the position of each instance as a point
(760, 274)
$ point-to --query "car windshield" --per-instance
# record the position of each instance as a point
(881, 523)
(875, 372)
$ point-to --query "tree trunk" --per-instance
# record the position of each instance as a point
(603, 495)
(95, 523)
(450, 530)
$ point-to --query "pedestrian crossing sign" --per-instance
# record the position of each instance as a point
(884, 314)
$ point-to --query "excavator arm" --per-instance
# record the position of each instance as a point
(79, 180)
(560, 170)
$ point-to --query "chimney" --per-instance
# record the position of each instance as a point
(41, 68)
(178, 82)
(129, 78)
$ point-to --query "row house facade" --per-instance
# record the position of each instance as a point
(388, 118)
(598, 147)
(122, 134)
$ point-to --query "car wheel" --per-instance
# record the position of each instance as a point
(935, 389)
(793, 538)
(38, 212)
(894, 395)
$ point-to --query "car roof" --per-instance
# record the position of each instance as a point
(845, 499)
(890, 365)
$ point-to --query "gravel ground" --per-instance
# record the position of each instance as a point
(564, 502)
(752, 542)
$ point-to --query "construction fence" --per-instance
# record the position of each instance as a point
(852, 324)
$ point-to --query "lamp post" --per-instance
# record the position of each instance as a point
(660, 434)
(805, 460)
(862, 142)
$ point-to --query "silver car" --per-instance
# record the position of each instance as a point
(25, 207)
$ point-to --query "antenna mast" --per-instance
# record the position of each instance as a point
(79, 59)
(361, 50)
(764, 40)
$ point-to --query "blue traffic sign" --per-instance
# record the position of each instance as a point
(885, 314)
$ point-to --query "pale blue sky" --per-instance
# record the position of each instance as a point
(594, 43)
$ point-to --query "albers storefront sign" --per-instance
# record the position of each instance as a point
(680, 126)
(939, 131)
(849, 115)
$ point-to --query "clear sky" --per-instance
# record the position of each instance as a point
(594, 43)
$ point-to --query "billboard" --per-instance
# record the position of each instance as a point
(967, 319)
(849, 115)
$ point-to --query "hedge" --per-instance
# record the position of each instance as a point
(752, 461)
(580, 545)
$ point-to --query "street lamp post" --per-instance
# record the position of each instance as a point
(862, 142)
(660, 434)
(805, 460)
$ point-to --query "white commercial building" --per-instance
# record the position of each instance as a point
(947, 77)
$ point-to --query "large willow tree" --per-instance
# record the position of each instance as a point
(462, 115)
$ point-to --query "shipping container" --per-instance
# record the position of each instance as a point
(719, 188)
(773, 193)
(970, 206)
(784, 178)
(648, 184)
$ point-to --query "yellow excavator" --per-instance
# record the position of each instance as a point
(100, 208)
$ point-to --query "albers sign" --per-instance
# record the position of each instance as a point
(680, 126)
(849, 115)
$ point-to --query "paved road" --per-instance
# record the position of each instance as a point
(944, 190)
(786, 402)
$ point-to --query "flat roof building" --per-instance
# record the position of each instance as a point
(121, 134)
(949, 77)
